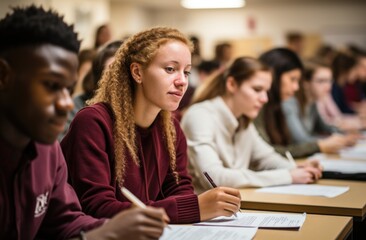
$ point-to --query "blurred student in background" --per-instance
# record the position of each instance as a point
(85, 58)
(320, 77)
(223, 54)
(103, 35)
(204, 70)
(287, 70)
(302, 117)
(103, 58)
(346, 91)
(295, 41)
(222, 139)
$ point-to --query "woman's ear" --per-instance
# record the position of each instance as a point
(231, 85)
(136, 72)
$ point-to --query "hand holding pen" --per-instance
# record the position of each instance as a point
(137, 202)
(219, 201)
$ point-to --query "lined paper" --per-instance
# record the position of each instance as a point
(260, 220)
(185, 232)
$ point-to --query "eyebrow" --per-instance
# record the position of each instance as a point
(176, 62)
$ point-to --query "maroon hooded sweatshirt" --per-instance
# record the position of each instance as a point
(35, 199)
(89, 152)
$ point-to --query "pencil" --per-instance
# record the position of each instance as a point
(289, 156)
(129, 195)
(213, 184)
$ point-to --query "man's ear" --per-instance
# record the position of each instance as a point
(4, 73)
(136, 72)
(231, 85)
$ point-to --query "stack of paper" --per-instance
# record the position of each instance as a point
(306, 190)
(343, 166)
(207, 233)
(357, 152)
(260, 220)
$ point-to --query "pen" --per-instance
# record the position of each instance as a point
(213, 184)
(210, 180)
(289, 156)
(129, 195)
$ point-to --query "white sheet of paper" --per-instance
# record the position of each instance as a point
(306, 190)
(343, 166)
(260, 220)
(185, 232)
(357, 152)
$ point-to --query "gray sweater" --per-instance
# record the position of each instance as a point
(307, 127)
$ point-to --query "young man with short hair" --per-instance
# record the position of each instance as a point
(38, 63)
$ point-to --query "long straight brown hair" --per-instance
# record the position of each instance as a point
(242, 69)
(281, 60)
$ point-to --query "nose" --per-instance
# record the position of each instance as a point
(295, 86)
(263, 98)
(181, 80)
(64, 101)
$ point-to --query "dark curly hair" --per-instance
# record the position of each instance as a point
(33, 25)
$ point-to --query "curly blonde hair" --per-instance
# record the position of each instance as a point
(117, 88)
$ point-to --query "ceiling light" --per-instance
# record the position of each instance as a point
(202, 4)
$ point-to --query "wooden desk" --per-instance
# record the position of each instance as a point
(315, 227)
(352, 203)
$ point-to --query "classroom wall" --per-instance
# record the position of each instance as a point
(86, 15)
(127, 19)
(337, 22)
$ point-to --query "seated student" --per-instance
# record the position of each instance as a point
(223, 54)
(330, 113)
(295, 41)
(345, 93)
(85, 58)
(103, 35)
(102, 59)
(271, 122)
(127, 137)
(222, 139)
(38, 63)
(360, 55)
(318, 83)
(302, 117)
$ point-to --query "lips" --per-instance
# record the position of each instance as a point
(176, 93)
(59, 123)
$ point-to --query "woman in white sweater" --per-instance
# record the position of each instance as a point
(223, 141)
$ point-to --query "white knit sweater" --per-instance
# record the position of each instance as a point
(233, 157)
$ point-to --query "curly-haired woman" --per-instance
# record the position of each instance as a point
(127, 136)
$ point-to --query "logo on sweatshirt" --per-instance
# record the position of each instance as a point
(41, 204)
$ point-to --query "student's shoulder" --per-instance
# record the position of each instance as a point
(95, 111)
(201, 110)
(290, 105)
(49, 154)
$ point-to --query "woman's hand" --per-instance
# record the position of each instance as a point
(306, 174)
(220, 201)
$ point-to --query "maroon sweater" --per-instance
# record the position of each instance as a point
(35, 199)
(89, 151)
